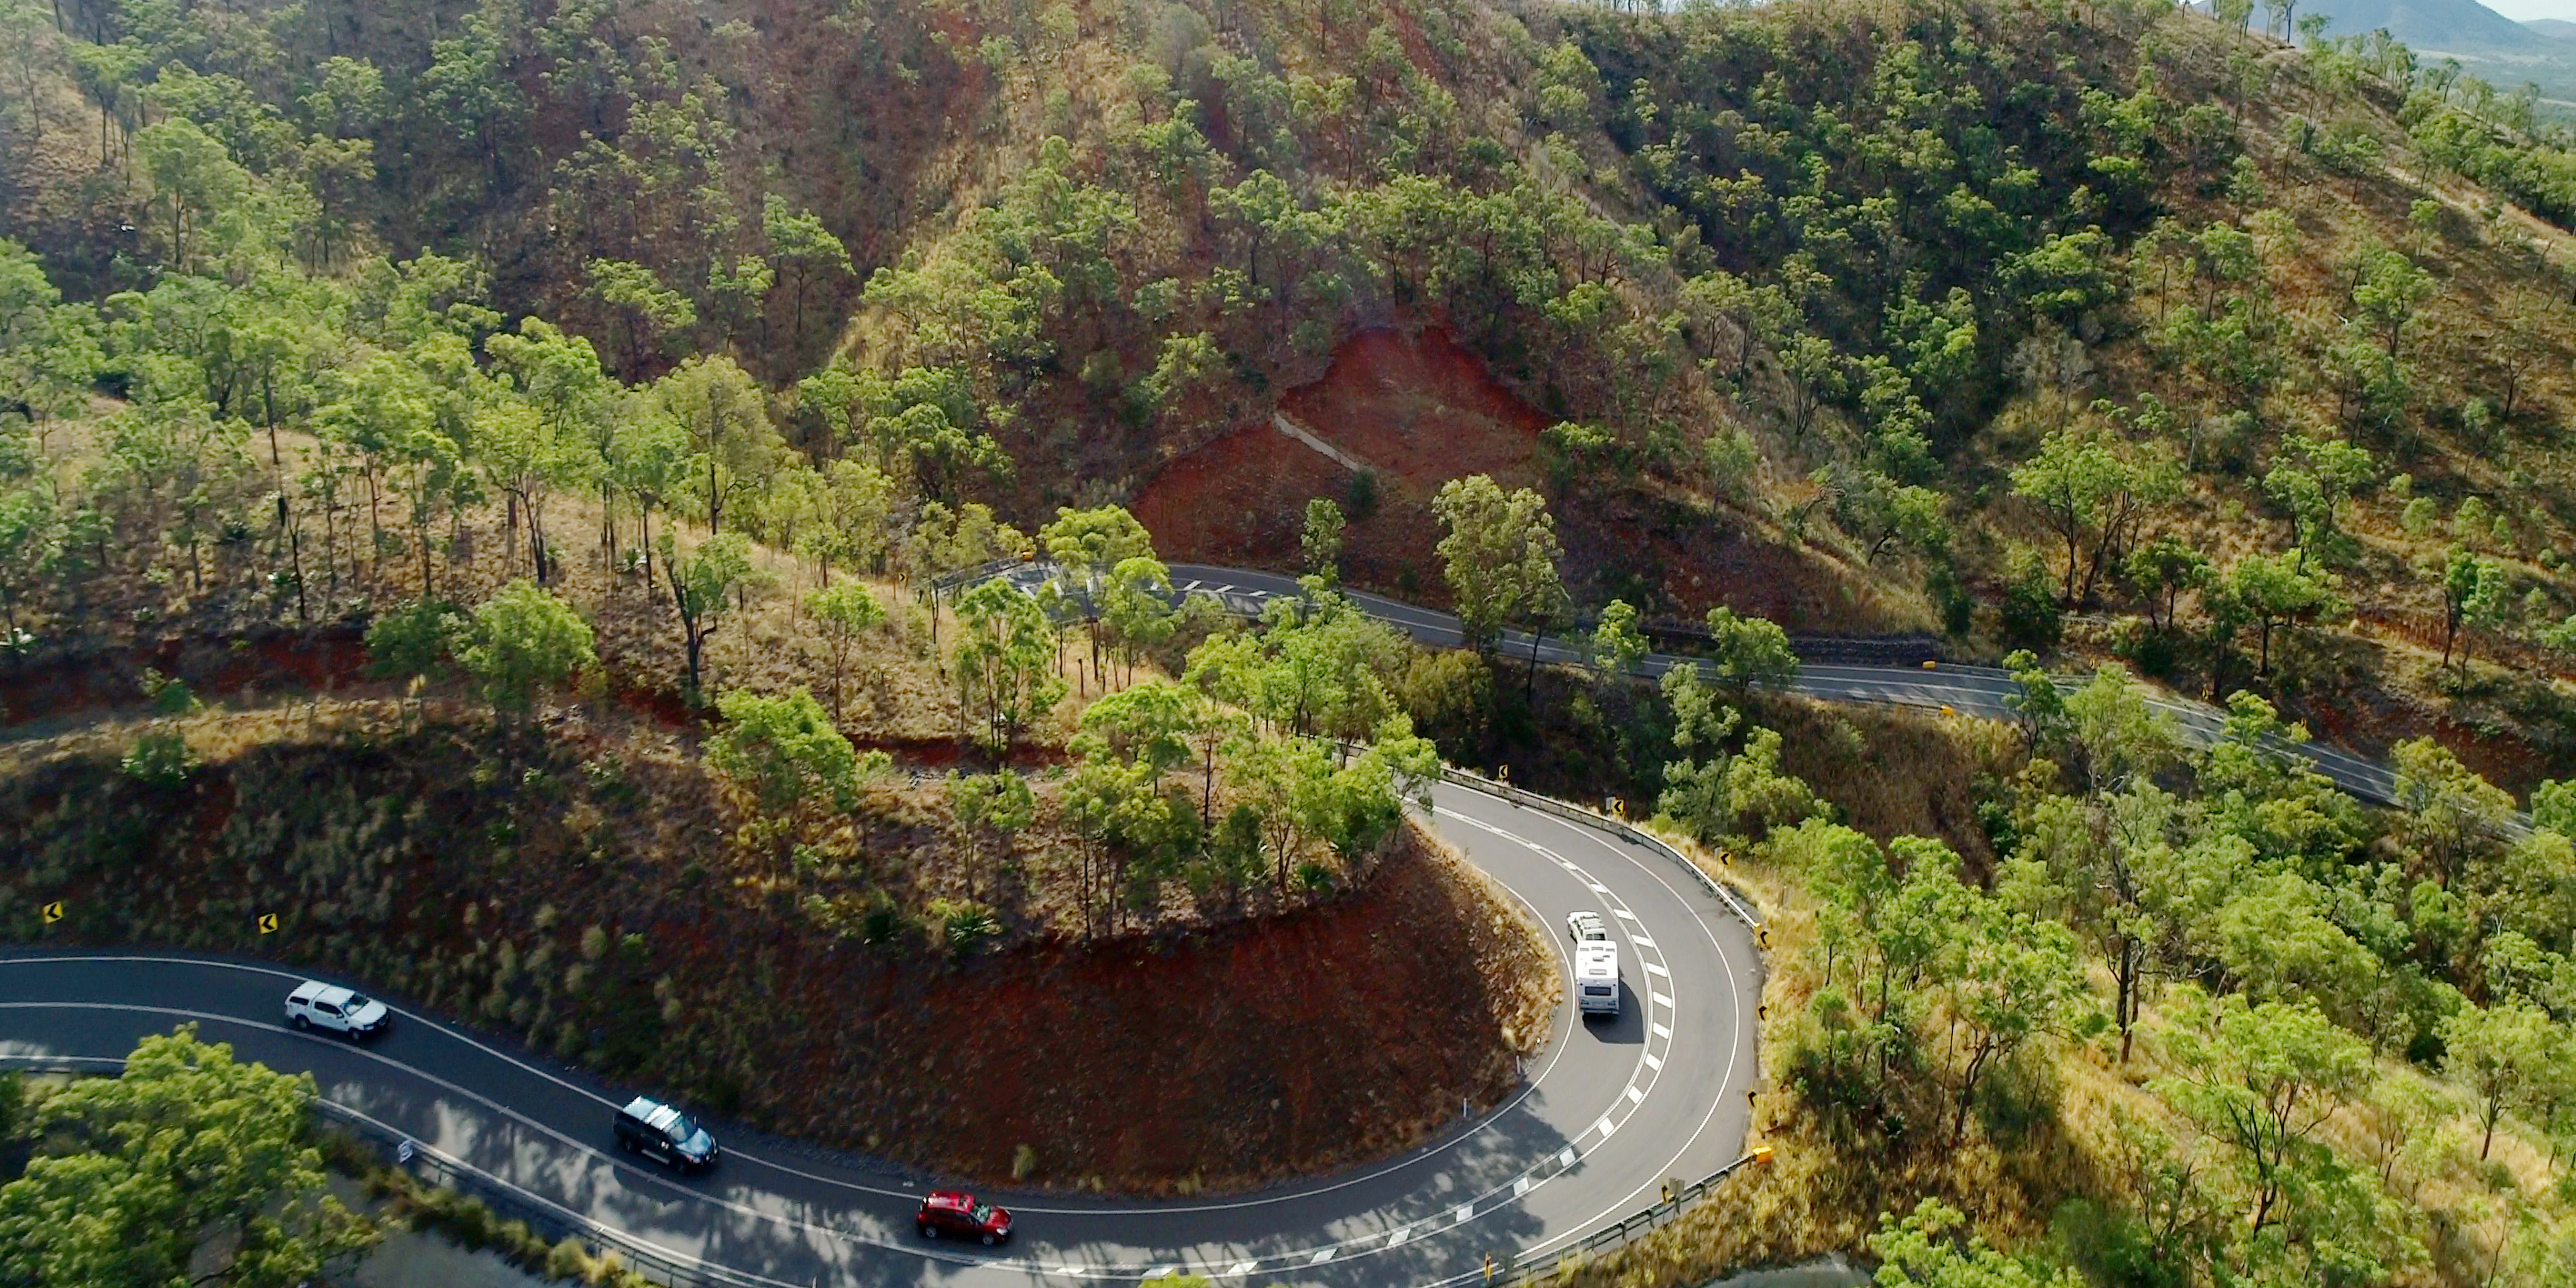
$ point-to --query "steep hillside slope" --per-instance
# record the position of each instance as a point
(1798, 298)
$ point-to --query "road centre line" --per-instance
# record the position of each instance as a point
(1520, 1186)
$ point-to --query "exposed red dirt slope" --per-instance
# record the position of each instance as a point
(579, 894)
(1413, 406)
(1311, 1041)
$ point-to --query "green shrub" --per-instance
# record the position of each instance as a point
(963, 925)
(169, 695)
(161, 758)
(413, 640)
(568, 1259)
(2031, 616)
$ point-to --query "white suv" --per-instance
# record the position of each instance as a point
(316, 1005)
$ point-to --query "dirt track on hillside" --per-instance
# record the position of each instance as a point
(1418, 409)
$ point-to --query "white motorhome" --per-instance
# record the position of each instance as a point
(1596, 977)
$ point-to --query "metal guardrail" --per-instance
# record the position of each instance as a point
(1616, 827)
(507, 1202)
(555, 1222)
(979, 572)
(1512, 1270)
(548, 1220)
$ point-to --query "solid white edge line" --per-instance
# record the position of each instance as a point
(1735, 1036)
(1568, 1156)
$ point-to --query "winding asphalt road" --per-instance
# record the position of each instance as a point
(1968, 690)
(1607, 1114)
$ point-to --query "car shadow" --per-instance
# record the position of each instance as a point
(1627, 1028)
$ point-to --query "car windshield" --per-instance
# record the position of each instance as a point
(982, 1213)
(684, 1128)
(357, 1002)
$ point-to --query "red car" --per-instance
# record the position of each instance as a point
(954, 1214)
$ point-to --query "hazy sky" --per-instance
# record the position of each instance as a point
(2519, 10)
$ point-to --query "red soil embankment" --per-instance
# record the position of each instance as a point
(1296, 1045)
(581, 895)
(1420, 410)
(64, 684)
(1414, 406)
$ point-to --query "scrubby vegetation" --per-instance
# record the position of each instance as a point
(642, 418)
(186, 1167)
(2154, 1015)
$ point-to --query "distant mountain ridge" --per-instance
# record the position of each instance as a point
(2554, 28)
(2441, 25)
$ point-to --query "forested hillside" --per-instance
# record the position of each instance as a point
(1977, 316)
(648, 367)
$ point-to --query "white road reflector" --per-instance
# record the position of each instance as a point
(1663, 1001)
(1653, 969)
(1654, 1061)
(1320, 1257)
(1402, 1232)
(1661, 1031)
(1466, 1213)
(1522, 1185)
(1605, 1127)
(1071, 1270)
(1623, 914)
(1636, 1095)
(1238, 1270)
(1162, 1272)
(1597, 887)
(1565, 1157)
(1641, 941)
